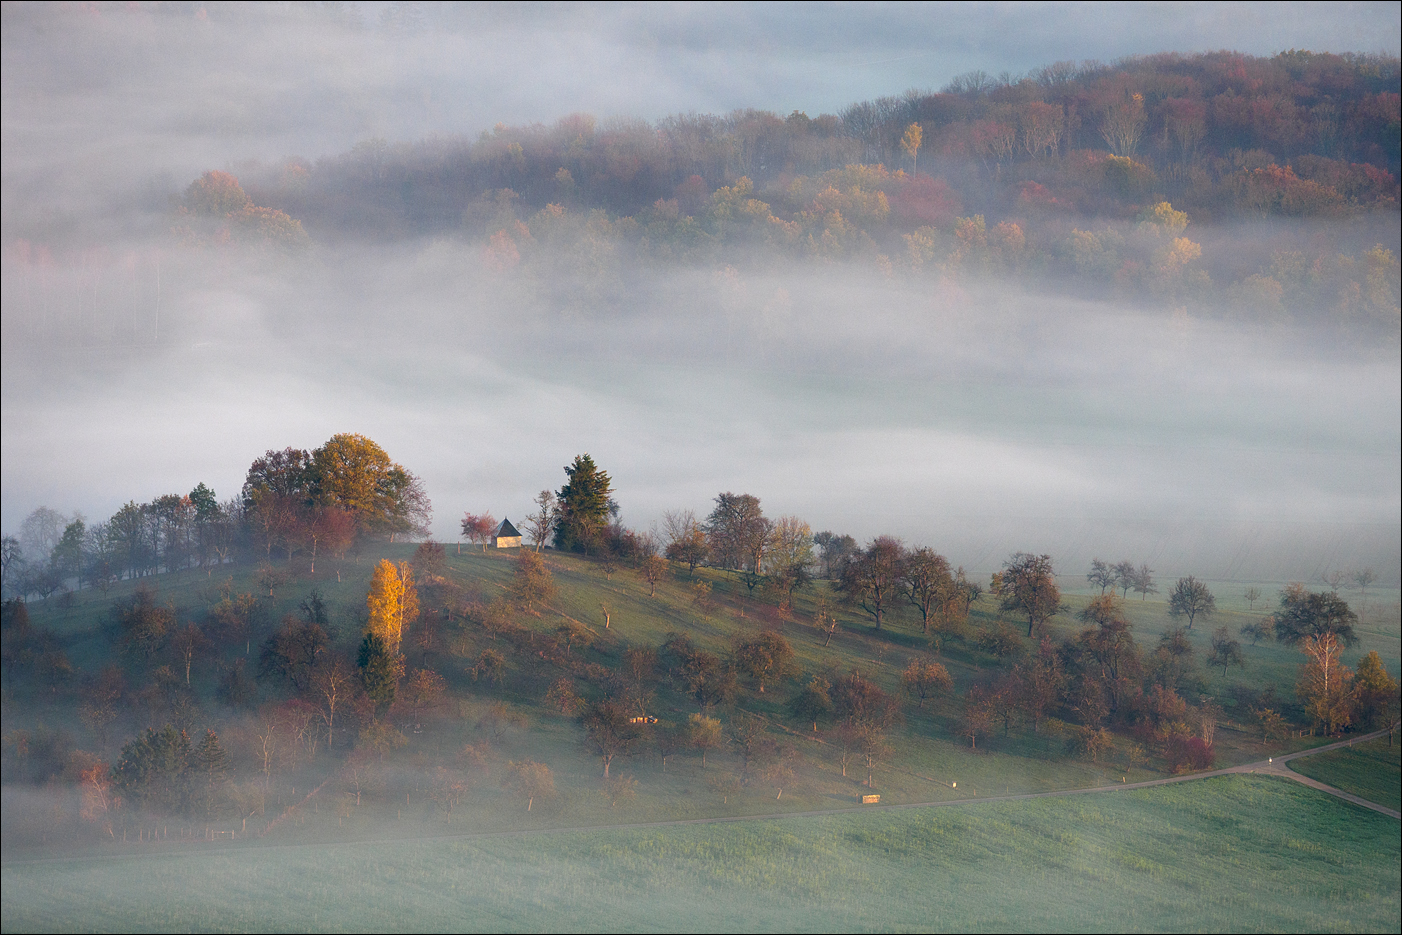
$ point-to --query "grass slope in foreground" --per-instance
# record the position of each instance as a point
(1372, 770)
(1237, 853)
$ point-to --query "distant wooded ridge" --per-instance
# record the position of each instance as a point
(1214, 133)
(994, 176)
(1120, 180)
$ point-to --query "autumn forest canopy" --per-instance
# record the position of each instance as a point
(1180, 181)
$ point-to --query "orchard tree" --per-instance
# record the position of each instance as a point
(491, 665)
(639, 669)
(791, 554)
(530, 780)
(738, 532)
(571, 632)
(686, 539)
(561, 695)
(1101, 575)
(978, 715)
(1039, 684)
(531, 583)
(1225, 651)
(1191, 599)
(41, 532)
(1124, 576)
(1303, 614)
(609, 731)
(872, 578)
(1361, 580)
(541, 524)
(703, 734)
(652, 569)
(833, 549)
(1028, 586)
(922, 679)
(144, 623)
(479, 528)
(766, 656)
(858, 700)
(927, 581)
(1144, 582)
(291, 653)
(813, 703)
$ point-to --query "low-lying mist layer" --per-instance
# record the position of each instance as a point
(978, 417)
(1181, 348)
(1239, 852)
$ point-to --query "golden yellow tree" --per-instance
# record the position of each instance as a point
(910, 142)
(393, 602)
(408, 596)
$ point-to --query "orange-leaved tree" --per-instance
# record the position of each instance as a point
(393, 602)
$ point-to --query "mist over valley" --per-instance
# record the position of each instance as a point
(686, 467)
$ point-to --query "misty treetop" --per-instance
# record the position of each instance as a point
(216, 210)
(300, 503)
(349, 473)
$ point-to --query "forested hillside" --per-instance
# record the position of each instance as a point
(193, 665)
(1090, 172)
(1256, 189)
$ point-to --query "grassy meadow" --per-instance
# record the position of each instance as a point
(1239, 853)
(1371, 770)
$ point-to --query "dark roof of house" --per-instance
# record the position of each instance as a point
(506, 530)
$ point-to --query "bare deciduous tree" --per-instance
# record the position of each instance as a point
(540, 525)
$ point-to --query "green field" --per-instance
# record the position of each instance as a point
(1370, 770)
(1238, 853)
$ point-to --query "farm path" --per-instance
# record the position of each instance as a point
(1273, 766)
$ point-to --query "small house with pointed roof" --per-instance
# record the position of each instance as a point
(507, 537)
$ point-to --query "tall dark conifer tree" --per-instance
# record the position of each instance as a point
(584, 505)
